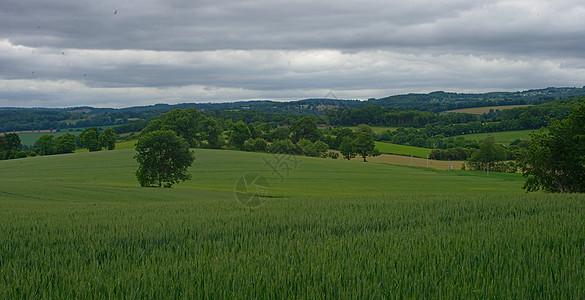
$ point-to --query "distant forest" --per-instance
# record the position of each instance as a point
(411, 110)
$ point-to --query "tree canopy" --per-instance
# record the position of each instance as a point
(164, 158)
(555, 161)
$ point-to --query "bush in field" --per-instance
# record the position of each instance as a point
(164, 157)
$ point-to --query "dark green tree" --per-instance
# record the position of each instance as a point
(555, 161)
(65, 143)
(163, 158)
(89, 138)
(364, 145)
(108, 139)
(489, 152)
(11, 144)
(239, 133)
(46, 144)
(347, 148)
(186, 123)
(305, 128)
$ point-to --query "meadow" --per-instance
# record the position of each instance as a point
(79, 226)
(390, 148)
(504, 137)
(485, 109)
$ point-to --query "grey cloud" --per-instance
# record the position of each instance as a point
(101, 52)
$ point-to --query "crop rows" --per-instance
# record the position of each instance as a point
(496, 246)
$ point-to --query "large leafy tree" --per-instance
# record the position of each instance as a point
(186, 123)
(164, 158)
(364, 145)
(89, 138)
(555, 161)
(305, 128)
(347, 148)
(46, 144)
(108, 139)
(239, 133)
(65, 143)
(11, 144)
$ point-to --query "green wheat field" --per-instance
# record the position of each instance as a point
(79, 226)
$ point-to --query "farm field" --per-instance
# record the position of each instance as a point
(505, 137)
(375, 129)
(483, 110)
(390, 148)
(78, 226)
(29, 138)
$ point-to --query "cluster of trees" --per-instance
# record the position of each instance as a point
(10, 146)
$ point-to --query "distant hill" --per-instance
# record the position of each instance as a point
(15, 119)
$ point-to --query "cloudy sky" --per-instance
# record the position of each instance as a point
(119, 53)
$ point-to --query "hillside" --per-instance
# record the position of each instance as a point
(18, 119)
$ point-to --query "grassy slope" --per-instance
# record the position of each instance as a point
(402, 150)
(505, 137)
(77, 224)
(216, 170)
(485, 109)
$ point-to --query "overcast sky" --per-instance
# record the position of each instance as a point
(120, 53)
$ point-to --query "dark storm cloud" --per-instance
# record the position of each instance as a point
(66, 52)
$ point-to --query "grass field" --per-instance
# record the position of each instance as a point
(375, 129)
(402, 150)
(78, 226)
(505, 137)
(29, 138)
(483, 110)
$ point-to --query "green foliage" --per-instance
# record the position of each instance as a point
(46, 144)
(305, 128)
(347, 148)
(11, 144)
(239, 133)
(255, 145)
(364, 145)
(89, 138)
(308, 148)
(163, 157)
(65, 143)
(107, 139)
(555, 161)
(283, 146)
(189, 124)
(489, 153)
(280, 133)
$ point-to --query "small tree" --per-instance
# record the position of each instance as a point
(163, 157)
(489, 153)
(89, 138)
(108, 139)
(365, 146)
(347, 148)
